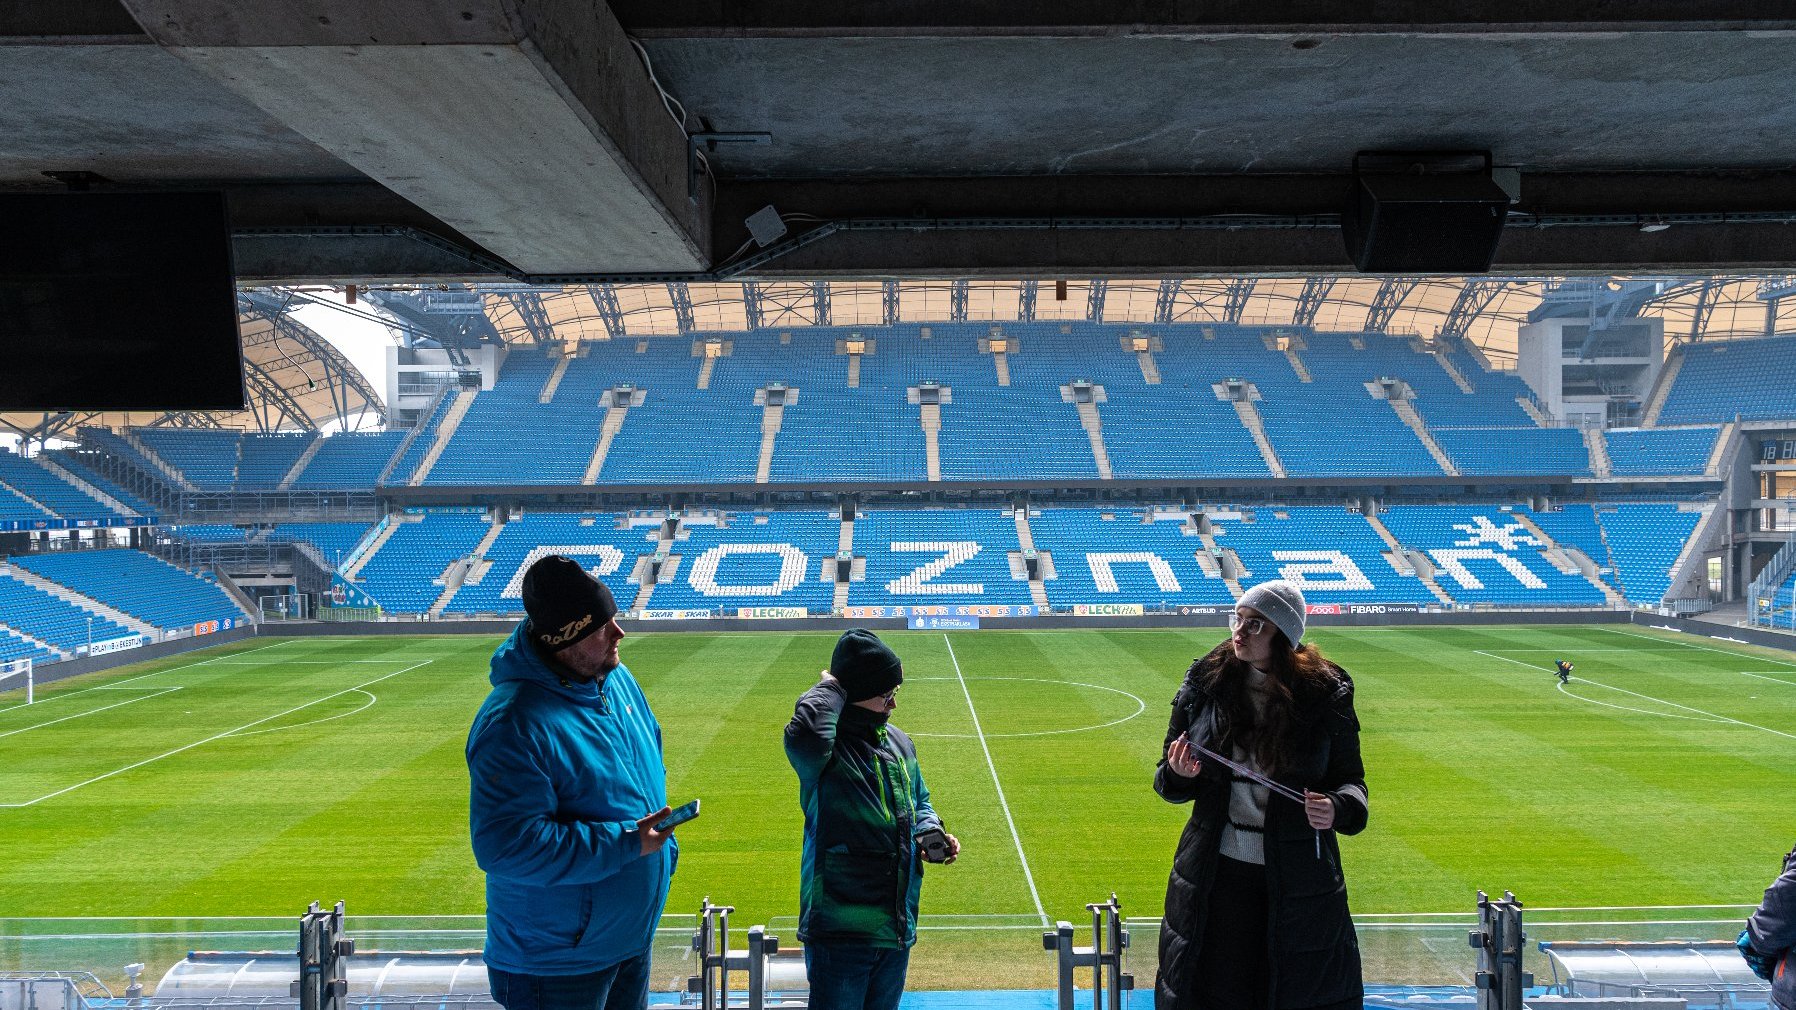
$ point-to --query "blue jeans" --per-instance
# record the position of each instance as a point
(623, 986)
(853, 977)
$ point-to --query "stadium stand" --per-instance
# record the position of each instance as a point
(145, 587)
(348, 460)
(1645, 540)
(333, 541)
(26, 477)
(932, 556)
(1727, 379)
(1483, 555)
(16, 509)
(1574, 526)
(267, 459)
(212, 533)
(1125, 555)
(596, 539)
(50, 619)
(207, 457)
(404, 575)
(1333, 554)
(1661, 451)
(755, 559)
(1518, 451)
(13, 647)
(80, 465)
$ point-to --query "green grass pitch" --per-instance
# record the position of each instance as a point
(254, 778)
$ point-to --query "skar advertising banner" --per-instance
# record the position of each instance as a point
(112, 645)
(1107, 610)
(675, 615)
(770, 613)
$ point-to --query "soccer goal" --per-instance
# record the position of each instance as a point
(12, 672)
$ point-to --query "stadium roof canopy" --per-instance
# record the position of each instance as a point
(294, 378)
(544, 141)
(1484, 310)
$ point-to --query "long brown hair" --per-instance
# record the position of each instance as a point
(1271, 736)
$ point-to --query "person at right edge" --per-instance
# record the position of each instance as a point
(1256, 907)
(1770, 934)
(865, 806)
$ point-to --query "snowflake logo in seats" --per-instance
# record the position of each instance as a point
(1508, 537)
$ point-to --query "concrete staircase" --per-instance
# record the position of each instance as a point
(1250, 419)
(553, 382)
(614, 423)
(84, 487)
(854, 371)
(663, 545)
(1598, 444)
(1568, 561)
(251, 612)
(771, 419)
(300, 464)
(1723, 442)
(1691, 555)
(844, 543)
(1094, 429)
(1532, 411)
(464, 570)
(33, 502)
(1452, 370)
(1038, 590)
(1406, 412)
(360, 560)
(1001, 361)
(34, 640)
(1206, 559)
(1297, 365)
(85, 602)
(445, 431)
(1674, 363)
(705, 369)
(1413, 561)
(931, 419)
(177, 477)
(1150, 369)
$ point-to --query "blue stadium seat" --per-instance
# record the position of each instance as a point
(1753, 380)
(1333, 554)
(59, 496)
(1661, 451)
(1482, 554)
(974, 544)
(1645, 540)
(52, 619)
(147, 588)
(1124, 556)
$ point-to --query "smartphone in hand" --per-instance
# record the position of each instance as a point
(680, 816)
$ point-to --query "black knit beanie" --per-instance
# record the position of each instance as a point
(564, 603)
(865, 666)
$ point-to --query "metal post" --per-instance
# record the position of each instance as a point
(1499, 941)
(323, 982)
(715, 960)
(1104, 957)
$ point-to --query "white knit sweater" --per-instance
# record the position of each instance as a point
(1244, 837)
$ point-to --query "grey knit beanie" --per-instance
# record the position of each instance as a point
(1282, 603)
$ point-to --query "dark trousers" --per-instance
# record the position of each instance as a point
(854, 977)
(1232, 966)
(623, 986)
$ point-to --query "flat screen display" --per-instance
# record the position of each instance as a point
(118, 301)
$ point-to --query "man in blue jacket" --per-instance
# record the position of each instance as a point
(1770, 935)
(567, 783)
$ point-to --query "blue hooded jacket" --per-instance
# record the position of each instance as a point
(559, 769)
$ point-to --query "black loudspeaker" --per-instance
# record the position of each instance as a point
(1423, 213)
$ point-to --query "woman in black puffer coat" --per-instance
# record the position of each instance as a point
(1256, 907)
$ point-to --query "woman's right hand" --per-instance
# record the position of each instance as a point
(1181, 760)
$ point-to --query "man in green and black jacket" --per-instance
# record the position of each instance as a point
(865, 806)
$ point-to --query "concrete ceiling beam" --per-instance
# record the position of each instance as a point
(529, 127)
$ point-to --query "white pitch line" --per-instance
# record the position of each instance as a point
(1700, 717)
(1704, 648)
(159, 692)
(314, 722)
(1002, 802)
(215, 736)
(1711, 715)
(53, 696)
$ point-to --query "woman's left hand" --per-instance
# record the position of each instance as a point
(1319, 809)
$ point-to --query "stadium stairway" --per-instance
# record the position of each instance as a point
(1723, 445)
(65, 474)
(1150, 369)
(85, 602)
(27, 499)
(445, 431)
(471, 568)
(1668, 375)
(1250, 419)
(1290, 349)
(383, 532)
(1692, 554)
(1532, 411)
(930, 416)
(1598, 444)
(1094, 429)
(615, 416)
(664, 545)
(1001, 363)
(1038, 589)
(1406, 412)
(1569, 560)
(772, 416)
(844, 545)
(1439, 354)
(300, 464)
(162, 465)
(554, 380)
(1415, 561)
(1207, 560)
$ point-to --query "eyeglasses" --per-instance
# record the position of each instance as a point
(1249, 627)
(891, 696)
